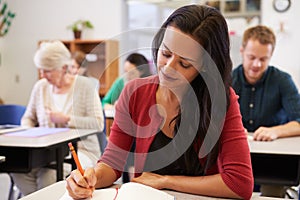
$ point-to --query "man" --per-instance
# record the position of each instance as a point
(269, 100)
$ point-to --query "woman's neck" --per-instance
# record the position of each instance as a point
(168, 106)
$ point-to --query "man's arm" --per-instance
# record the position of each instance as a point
(271, 133)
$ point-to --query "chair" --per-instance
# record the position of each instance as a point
(102, 136)
(11, 114)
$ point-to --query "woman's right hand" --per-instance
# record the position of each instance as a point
(81, 186)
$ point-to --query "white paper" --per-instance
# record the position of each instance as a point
(37, 132)
(128, 191)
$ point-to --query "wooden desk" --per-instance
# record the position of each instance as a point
(24, 153)
(57, 190)
(268, 157)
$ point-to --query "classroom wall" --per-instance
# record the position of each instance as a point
(286, 55)
(48, 19)
(37, 20)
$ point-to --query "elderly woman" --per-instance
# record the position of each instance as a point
(60, 99)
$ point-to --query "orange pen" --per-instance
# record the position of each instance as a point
(75, 157)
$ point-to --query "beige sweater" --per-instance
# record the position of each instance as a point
(82, 105)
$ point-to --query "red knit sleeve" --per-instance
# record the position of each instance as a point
(234, 157)
(121, 135)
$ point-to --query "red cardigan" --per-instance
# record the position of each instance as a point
(134, 115)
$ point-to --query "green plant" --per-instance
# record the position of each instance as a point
(79, 25)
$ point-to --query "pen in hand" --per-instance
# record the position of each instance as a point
(75, 157)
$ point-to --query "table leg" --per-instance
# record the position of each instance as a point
(59, 164)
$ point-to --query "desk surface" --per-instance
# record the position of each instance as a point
(25, 153)
(46, 140)
(55, 191)
(284, 146)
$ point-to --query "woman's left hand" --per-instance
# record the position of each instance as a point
(154, 180)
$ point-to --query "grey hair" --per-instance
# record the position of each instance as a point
(52, 55)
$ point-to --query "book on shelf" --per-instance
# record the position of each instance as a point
(128, 191)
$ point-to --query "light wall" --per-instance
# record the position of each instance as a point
(47, 19)
(38, 20)
(286, 55)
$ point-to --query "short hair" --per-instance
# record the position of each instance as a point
(141, 63)
(261, 33)
(79, 57)
(52, 55)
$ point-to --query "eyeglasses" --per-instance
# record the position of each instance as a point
(46, 70)
(49, 70)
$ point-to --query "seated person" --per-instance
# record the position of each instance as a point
(79, 65)
(135, 66)
(185, 121)
(60, 99)
(269, 100)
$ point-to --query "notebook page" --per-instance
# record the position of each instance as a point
(107, 194)
(37, 132)
(137, 191)
(128, 191)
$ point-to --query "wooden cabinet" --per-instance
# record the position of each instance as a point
(102, 62)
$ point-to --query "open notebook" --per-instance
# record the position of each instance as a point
(128, 191)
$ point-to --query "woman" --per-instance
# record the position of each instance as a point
(78, 63)
(79, 66)
(60, 99)
(135, 66)
(185, 122)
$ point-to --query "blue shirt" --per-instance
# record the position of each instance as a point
(272, 101)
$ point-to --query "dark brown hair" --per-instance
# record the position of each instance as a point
(140, 62)
(207, 26)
